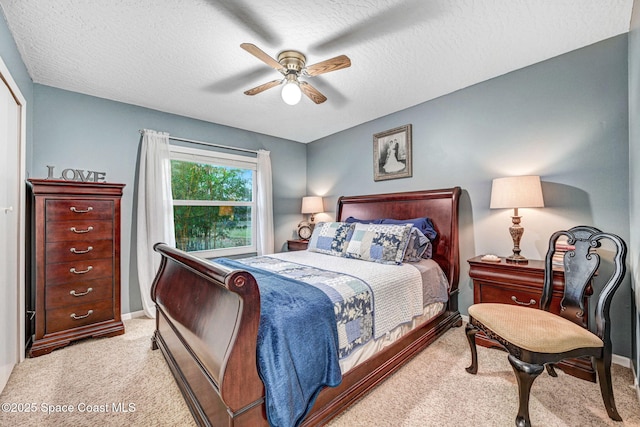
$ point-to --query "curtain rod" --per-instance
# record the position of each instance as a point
(210, 144)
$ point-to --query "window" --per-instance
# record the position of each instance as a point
(214, 204)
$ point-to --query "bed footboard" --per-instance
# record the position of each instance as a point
(212, 347)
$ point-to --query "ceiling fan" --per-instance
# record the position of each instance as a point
(291, 64)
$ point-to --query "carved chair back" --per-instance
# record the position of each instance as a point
(580, 264)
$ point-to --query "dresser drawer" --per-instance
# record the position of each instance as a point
(79, 271)
(80, 250)
(79, 315)
(68, 294)
(85, 209)
(61, 231)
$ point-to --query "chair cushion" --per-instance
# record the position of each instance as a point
(533, 329)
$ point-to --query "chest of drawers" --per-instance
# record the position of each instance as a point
(74, 262)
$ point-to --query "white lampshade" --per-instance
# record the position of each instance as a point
(312, 205)
(516, 192)
(291, 93)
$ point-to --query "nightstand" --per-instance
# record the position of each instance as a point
(521, 284)
(297, 245)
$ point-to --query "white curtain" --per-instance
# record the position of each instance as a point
(155, 210)
(264, 212)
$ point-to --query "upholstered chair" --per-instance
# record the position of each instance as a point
(538, 338)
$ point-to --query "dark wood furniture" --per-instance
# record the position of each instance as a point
(539, 339)
(297, 245)
(75, 262)
(521, 284)
(210, 346)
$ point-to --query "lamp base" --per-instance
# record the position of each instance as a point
(516, 232)
(516, 259)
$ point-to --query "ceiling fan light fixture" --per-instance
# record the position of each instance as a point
(291, 64)
(291, 93)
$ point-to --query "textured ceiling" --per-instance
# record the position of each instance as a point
(184, 56)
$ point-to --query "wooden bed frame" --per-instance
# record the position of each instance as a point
(208, 315)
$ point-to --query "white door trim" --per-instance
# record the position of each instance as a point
(20, 244)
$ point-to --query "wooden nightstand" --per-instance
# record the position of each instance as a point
(521, 284)
(297, 245)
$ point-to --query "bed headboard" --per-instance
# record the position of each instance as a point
(439, 205)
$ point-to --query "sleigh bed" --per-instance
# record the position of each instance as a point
(208, 318)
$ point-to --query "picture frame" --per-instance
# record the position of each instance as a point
(392, 154)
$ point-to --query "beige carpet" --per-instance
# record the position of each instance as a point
(432, 390)
(96, 375)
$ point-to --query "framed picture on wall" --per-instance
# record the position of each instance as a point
(392, 154)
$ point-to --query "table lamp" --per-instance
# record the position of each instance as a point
(312, 205)
(516, 192)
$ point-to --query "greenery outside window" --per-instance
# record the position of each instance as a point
(214, 203)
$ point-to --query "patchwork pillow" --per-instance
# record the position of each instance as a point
(416, 247)
(383, 243)
(330, 238)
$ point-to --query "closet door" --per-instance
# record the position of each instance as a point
(11, 225)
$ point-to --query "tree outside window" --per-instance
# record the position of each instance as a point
(214, 204)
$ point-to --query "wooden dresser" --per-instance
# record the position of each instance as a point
(521, 284)
(75, 262)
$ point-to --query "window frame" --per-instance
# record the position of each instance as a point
(216, 158)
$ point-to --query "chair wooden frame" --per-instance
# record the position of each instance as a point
(580, 265)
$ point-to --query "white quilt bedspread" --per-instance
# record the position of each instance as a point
(397, 289)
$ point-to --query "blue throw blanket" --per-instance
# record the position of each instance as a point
(292, 341)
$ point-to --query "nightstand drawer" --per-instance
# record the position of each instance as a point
(503, 295)
(297, 245)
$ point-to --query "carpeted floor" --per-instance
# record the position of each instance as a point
(119, 381)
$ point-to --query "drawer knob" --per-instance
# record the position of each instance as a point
(75, 230)
(74, 209)
(80, 294)
(74, 271)
(531, 302)
(75, 251)
(89, 313)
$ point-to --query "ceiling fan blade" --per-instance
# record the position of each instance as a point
(256, 90)
(333, 64)
(246, 16)
(394, 19)
(258, 53)
(312, 93)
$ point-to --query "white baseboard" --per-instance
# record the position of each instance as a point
(133, 315)
(621, 360)
(615, 358)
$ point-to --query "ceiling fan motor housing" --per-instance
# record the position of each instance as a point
(292, 60)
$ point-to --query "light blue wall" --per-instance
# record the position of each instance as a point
(83, 132)
(11, 58)
(565, 119)
(634, 166)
